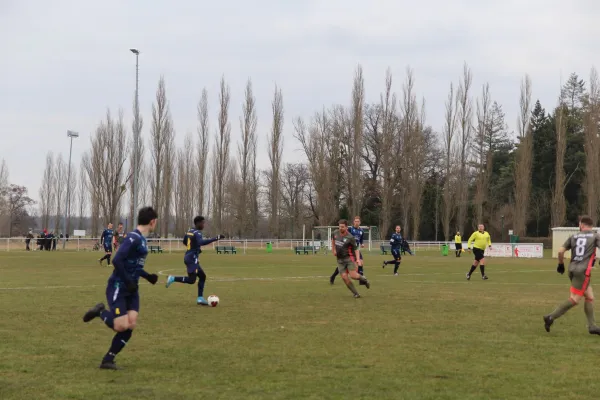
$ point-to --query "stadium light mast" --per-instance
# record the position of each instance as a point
(136, 139)
(71, 135)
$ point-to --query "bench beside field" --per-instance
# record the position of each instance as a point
(226, 249)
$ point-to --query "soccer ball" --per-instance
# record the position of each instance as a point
(213, 300)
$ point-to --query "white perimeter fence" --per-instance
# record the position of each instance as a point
(522, 250)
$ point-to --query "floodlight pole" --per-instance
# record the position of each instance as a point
(71, 135)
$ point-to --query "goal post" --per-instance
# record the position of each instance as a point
(321, 237)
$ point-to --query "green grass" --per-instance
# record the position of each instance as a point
(282, 332)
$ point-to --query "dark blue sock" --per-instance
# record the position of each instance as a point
(201, 283)
(108, 258)
(396, 266)
(118, 342)
(108, 318)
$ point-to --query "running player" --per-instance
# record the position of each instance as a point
(122, 289)
(583, 255)
(345, 249)
(480, 240)
(396, 244)
(358, 234)
(194, 241)
(106, 240)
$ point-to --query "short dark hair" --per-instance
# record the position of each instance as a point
(198, 218)
(145, 215)
(586, 220)
(343, 222)
(120, 223)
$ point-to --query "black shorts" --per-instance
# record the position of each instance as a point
(458, 246)
(396, 254)
(478, 253)
(120, 300)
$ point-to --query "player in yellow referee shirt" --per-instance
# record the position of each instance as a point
(480, 241)
(458, 244)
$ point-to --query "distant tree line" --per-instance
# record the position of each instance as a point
(381, 161)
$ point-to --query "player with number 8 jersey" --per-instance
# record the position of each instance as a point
(583, 255)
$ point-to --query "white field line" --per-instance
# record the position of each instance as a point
(311, 277)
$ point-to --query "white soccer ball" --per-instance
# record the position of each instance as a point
(213, 300)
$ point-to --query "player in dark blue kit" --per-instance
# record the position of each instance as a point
(106, 240)
(122, 289)
(396, 243)
(194, 241)
(359, 235)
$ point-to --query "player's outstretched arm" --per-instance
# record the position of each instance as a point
(152, 278)
(204, 242)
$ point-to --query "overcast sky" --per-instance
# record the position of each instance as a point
(62, 63)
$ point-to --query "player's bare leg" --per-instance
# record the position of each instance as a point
(358, 277)
(574, 299)
(349, 284)
(589, 311)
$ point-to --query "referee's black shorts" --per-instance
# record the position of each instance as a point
(478, 253)
(458, 246)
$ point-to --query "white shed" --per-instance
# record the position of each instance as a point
(560, 235)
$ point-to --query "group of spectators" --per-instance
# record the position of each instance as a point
(45, 240)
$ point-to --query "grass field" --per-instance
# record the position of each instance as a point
(282, 332)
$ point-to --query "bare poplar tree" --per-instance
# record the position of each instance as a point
(47, 193)
(136, 160)
(246, 150)
(323, 154)
(465, 116)
(449, 183)
(524, 160)
(254, 190)
(295, 178)
(70, 197)
(161, 132)
(421, 162)
(202, 156)
(106, 170)
(559, 208)
(168, 178)
(3, 173)
(221, 154)
(185, 186)
(60, 188)
(591, 120)
(275, 151)
(355, 178)
(482, 150)
(82, 195)
(410, 188)
(389, 158)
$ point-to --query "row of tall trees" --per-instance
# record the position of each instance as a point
(380, 160)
